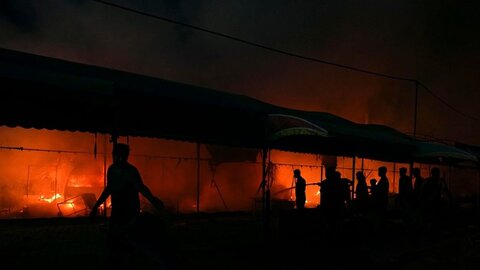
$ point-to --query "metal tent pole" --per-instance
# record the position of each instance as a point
(105, 171)
(415, 111)
(265, 194)
(198, 177)
(353, 177)
(394, 176)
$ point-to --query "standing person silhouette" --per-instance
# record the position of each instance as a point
(380, 192)
(435, 195)
(123, 185)
(300, 185)
(418, 185)
(361, 198)
(405, 190)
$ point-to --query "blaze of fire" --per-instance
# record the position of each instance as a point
(34, 181)
(51, 199)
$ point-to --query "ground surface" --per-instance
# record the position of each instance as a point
(239, 241)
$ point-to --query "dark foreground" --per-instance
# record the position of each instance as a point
(239, 241)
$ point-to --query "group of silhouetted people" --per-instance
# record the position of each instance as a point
(421, 197)
(335, 193)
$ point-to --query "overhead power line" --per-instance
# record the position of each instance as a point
(447, 104)
(308, 58)
(254, 43)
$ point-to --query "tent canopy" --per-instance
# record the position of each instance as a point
(42, 92)
(433, 152)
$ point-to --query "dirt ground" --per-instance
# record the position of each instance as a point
(290, 240)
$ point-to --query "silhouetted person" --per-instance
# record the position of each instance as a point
(434, 195)
(123, 185)
(361, 192)
(380, 192)
(371, 188)
(373, 184)
(333, 194)
(300, 185)
(417, 186)
(405, 189)
(346, 184)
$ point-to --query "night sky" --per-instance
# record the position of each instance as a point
(434, 42)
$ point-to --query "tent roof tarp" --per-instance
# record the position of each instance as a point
(42, 92)
(434, 152)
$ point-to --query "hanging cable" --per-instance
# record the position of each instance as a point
(444, 102)
(291, 54)
(43, 150)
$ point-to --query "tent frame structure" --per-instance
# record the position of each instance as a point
(47, 93)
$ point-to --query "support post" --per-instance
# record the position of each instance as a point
(415, 111)
(394, 176)
(265, 194)
(478, 194)
(353, 177)
(198, 177)
(105, 171)
(320, 187)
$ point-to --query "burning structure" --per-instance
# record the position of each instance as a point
(198, 149)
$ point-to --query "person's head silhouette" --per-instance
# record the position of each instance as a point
(416, 172)
(435, 172)
(330, 172)
(120, 153)
(360, 176)
(382, 171)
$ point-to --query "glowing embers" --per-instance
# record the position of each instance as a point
(49, 199)
(77, 206)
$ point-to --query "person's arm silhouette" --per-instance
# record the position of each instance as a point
(103, 197)
(145, 191)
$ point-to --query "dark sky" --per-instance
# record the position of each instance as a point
(433, 41)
